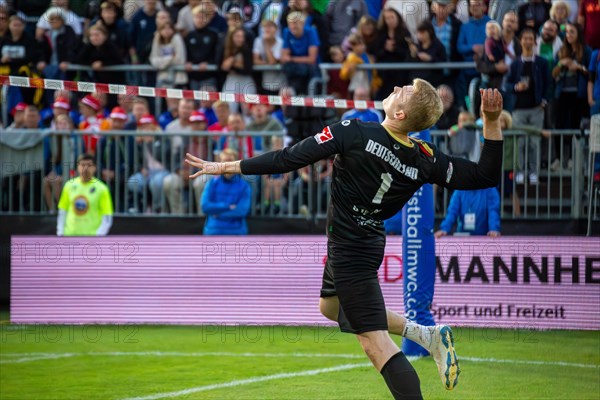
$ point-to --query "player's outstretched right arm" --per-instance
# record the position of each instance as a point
(331, 140)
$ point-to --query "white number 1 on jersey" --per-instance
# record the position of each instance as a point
(383, 189)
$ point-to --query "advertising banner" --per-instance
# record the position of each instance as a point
(529, 282)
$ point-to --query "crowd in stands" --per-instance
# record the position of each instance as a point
(543, 55)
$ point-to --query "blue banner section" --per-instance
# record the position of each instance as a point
(418, 258)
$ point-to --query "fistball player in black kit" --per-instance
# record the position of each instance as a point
(377, 168)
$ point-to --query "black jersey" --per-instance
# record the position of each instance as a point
(374, 174)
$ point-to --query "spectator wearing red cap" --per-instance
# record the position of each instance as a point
(153, 163)
(177, 184)
(18, 114)
(89, 107)
(116, 156)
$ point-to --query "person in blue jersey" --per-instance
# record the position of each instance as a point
(226, 201)
(476, 212)
(363, 114)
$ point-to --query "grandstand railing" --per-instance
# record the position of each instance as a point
(29, 188)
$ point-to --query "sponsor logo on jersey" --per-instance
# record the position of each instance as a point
(324, 136)
(81, 205)
(388, 156)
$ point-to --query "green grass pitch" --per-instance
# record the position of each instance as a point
(295, 362)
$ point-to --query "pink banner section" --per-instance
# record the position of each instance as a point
(527, 282)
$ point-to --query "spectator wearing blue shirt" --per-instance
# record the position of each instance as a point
(364, 114)
(470, 45)
(226, 202)
(477, 212)
(300, 52)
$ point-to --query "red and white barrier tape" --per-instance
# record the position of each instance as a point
(90, 87)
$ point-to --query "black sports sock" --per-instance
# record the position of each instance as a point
(401, 378)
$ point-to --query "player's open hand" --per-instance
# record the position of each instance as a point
(205, 167)
(491, 104)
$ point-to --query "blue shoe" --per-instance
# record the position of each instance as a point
(442, 351)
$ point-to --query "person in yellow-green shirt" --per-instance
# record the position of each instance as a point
(85, 207)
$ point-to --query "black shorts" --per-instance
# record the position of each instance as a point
(351, 275)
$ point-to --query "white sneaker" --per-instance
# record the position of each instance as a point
(442, 351)
(533, 178)
(520, 178)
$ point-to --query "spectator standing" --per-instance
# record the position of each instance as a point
(89, 108)
(267, 50)
(571, 76)
(447, 28)
(427, 50)
(118, 29)
(180, 125)
(470, 44)
(300, 52)
(168, 51)
(141, 33)
(363, 114)
(262, 121)
(53, 169)
(336, 86)
(242, 145)
(450, 110)
(59, 46)
(18, 115)
(170, 114)
(201, 47)
(274, 184)
(226, 202)
(528, 78)
(559, 13)
(185, 18)
(69, 17)
(4, 15)
(367, 29)
(476, 212)
(100, 52)
(210, 12)
(593, 88)
(392, 47)
(589, 18)
(85, 207)
(413, 12)
(547, 46)
(342, 16)
(237, 64)
(533, 14)
(359, 78)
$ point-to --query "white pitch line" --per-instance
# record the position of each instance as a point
(27, 357)
(248, 381)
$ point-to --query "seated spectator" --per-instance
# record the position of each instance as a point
(237, 65)
(100, 52)
(559, 13)
(152, 164)
(170, 114)
(342, 16)
(392, 47)
(273, 185)
(367, 29)
(242, 145)
(359, 78)
(533, 14)
(363, 114)
(464, 138)
(18, 54)
(267, 50)
(116, 156)
(85, 206)
(427, 50)
(476, 212)
(168, 50)
(53, 171)
(201, 47)
(336, 86)
(59, 46)
(262, 121)
(300, 53)
(226, 202)
(118, 29)
(528, 78)
(177, 184)
(18, 115)
(89, 107)
(450, 114)
(185, 18)
(69, 17)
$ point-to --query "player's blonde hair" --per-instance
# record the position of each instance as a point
(424, 107)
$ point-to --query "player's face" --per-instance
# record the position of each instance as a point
(86, 169)
(398, 99)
